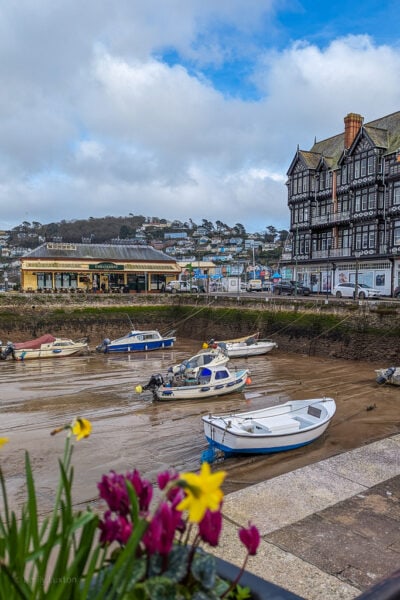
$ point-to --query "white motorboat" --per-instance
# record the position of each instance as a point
(210, 358)
(138, 341)
(210, 382)
(247, 348)
(46, 346)
(390, 375)
(273, 429)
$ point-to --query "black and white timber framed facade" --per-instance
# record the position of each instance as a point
(344, 202)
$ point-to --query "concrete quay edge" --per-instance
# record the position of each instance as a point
(329, 530)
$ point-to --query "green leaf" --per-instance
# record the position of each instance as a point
(203, 569)
(32, 504)
(175, 566)
(162, 588)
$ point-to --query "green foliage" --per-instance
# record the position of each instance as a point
(60, 557)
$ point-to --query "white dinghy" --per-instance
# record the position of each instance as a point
(273, 429)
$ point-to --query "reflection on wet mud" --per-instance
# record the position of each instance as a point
(132, 431)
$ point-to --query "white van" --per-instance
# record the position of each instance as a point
(254, 285)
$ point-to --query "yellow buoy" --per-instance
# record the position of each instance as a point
(205, 345)
(139, 389)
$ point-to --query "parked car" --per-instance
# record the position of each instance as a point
(291, 288)
(348, 290)
(254, 285)
(173, 287)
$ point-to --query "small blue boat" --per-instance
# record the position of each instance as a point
(138, 341)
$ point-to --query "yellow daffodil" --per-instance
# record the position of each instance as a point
(203, 491)
(3, 440)
(81, 428)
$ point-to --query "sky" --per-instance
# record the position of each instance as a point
(180, 109)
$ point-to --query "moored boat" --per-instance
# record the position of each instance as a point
(210, 382)
(250, 347)
(391, 375)
(138, 341)
(272, 429)
(210, 358)
(45, 346)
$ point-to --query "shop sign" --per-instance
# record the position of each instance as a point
(106, 266)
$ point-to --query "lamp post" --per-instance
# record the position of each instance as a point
(327, 273)
(357, 255)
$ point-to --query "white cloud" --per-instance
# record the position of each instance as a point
(93, 123)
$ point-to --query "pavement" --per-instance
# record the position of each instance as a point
(330, 530)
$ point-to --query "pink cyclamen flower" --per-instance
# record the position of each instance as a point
(165, 477)
(250, 537)
(114, 530)
(159, 535)
(210, 527)
(143, 489)
(113, 490)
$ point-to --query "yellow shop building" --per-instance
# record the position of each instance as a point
(64, 267)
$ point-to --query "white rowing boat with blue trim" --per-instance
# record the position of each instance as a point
(209, 382)
(138, 341)
(272, 429)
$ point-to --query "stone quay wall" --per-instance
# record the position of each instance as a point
(364, 330)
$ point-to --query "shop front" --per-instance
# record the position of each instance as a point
(95, 268)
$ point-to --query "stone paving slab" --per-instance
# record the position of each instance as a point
(284, 569)
(329, 530)
(288, 498)
(369, 464)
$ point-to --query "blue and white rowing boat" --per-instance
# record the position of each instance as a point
(273, 429)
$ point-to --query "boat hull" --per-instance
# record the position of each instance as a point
(275, 429)
(29, 354)
(241, 350)
(195, 392)
(140, 346)
(233, 444)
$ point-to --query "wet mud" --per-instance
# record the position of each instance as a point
(131, 430)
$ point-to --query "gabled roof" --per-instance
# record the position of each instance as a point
(99, 252)
(384, 133)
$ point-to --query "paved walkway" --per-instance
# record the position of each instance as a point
(330, 530)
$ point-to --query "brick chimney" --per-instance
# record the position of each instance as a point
(352, 125)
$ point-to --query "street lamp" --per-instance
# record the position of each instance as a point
(327, 273)
(357, 255)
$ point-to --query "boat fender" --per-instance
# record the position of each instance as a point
(208, 455)
(212, 454)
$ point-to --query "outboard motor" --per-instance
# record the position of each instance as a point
(154, 382)
(103, 347)
(383, 377)
(9, 349)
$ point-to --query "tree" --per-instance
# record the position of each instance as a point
(272, 233)
(283, 234)
(208, 225)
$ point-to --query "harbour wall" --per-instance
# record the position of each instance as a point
(318, 326)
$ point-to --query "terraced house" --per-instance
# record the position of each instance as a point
(344, 202)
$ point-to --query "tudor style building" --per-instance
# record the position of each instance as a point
(344, 201)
